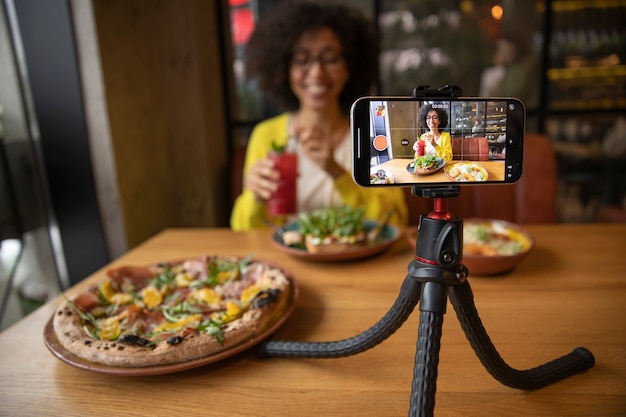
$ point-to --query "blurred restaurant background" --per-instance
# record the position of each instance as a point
(120, 118)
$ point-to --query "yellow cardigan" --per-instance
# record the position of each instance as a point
(444, 149)
(248, 213)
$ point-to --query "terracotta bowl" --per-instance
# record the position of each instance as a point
(491, 264)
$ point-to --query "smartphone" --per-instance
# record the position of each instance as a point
(434, 141)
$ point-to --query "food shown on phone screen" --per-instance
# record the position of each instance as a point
(465, 171)
(437, 140)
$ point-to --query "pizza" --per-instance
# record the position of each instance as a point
(172, 312)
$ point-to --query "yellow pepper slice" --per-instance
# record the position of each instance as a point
(109, 294)
(249, 293)
(233, 310)
(110, 327)
(152, 297)
(106, 290)
(183, 279)
(206, 296)
(224, 276)
(189, 321)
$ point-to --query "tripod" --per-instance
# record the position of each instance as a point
(435, 273)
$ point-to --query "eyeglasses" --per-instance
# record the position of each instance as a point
(435, 117)
(329, 61)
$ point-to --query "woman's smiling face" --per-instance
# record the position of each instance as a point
(432, 120)
(318, 71)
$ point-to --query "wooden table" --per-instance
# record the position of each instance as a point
(569, 292)
(398, 167)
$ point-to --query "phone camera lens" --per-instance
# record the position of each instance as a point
(511, 106)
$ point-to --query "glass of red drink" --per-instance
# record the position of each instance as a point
(421, 146)
(283, 200)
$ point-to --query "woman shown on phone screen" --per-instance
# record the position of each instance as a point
(435, 141)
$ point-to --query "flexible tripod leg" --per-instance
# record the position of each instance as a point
(579, 360)
(436, 270)
(398, 313)
(432, 308)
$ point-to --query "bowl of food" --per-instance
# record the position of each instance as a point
(466, 171)
(491, 246)
(381, 177)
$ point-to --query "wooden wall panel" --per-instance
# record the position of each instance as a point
(163, 81)
(406, 116)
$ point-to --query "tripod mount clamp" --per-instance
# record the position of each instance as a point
(445, 91)
(424, 91)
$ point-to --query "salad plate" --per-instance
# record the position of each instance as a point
(388, 236)
(436, 167)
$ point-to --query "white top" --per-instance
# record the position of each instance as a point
(430, 149)
(315, 186)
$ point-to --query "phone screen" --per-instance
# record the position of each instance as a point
(407, 141)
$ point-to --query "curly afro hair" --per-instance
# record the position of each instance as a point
(425, 109)
(270, 47)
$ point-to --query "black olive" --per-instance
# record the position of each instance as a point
(174, 340)
(265, 297)
(131, 339)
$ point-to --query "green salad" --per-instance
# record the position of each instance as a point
(426, 162)
(340, 221)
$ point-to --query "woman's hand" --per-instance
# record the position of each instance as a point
(430, 137)
(318, 146)
(262, 179)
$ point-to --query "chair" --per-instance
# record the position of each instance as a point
(475, 149)
(530, 200)
(611, 214)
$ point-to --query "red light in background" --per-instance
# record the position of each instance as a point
(241, 21)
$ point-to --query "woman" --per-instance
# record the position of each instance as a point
(436, 141)
(315, 61)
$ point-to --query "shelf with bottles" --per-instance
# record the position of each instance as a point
(478, 118)
(591, 153)
(591, 136)
(587, 88)
(587, 55)
(462, 118)
(495, 127)
(481, 119)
